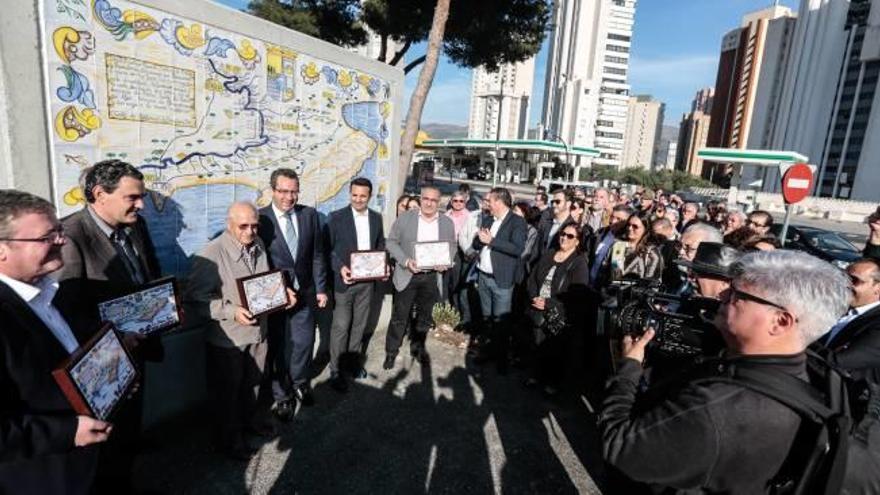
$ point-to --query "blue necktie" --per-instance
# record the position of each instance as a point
(292, 242)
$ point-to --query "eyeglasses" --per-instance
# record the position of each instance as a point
(633, 226)
(285, 192)
(755, 224)
(575, 207)
(688, 249)
(734, 294)
(568, 236)
(556, 201)
(55, 236)
(458, 201)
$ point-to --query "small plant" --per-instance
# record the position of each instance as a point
(445, 316)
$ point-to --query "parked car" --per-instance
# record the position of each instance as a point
(825, 244)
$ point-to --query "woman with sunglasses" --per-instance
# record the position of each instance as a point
(557, 288)
(643, 257)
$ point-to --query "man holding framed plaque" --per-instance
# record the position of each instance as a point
(236, 338)
(418, 281)
(357, 257)
(46, 447)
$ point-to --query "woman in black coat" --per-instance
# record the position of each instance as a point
(557, 289)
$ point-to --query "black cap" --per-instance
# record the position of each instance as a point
(713, 259)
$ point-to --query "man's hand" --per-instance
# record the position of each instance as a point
(485, 236)
(131, 340)
(345, 273)
(322, 300)
(244, 317)
(539, 303)
(90, 430)
(291, 298)
(634, 348)
(411, 266)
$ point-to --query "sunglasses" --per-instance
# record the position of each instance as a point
(634, 226)
(734, 294)
(556, 201)
(568, 236)
(755, 224)
(458, 201)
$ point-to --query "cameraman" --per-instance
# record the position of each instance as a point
(713, 436)
(710, 268)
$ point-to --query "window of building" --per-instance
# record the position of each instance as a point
(614, 70)
(618, 37)
(617, 48)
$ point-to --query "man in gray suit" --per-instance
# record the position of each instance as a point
(236, 340)
(422, 287)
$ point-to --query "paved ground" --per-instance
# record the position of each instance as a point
(450, 427)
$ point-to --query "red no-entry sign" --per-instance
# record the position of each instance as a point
(797, 183)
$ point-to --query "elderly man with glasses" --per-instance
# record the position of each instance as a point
(706, 434)
(759, 221)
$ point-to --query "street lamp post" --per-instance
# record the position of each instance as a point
(557, 137)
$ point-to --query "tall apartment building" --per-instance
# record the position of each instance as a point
(667, 149)
(693, 132)
(642, 132)
(586, 90)
(511, 85)
(373, 47)
(750, 54)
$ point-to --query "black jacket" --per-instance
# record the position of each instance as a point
(506, 248)
(343, 240)
(309, 268)
(569, 289)
(856, 348)
(699, 436)
(37, 424)
(872, 251)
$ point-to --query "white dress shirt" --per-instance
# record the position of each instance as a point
(428, 229)
(39, 298)
(485, 263)
(282, 217)
(362, 228)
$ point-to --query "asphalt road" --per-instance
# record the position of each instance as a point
(450, 427)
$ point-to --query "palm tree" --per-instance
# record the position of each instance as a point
(420, 94)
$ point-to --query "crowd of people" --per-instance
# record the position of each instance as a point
(527, 277)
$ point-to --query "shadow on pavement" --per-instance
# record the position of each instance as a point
(400, 431)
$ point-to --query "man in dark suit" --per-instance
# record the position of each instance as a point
(420, 286)
(108, 254)
(855, 339)
(551, 225)
(292, 235)
(499, 244)
(44, 446)
(353, 228)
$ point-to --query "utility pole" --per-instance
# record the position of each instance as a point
(498, 128)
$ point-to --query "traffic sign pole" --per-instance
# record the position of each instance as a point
(784, 232)
(797, 182)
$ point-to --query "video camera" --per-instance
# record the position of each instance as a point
(682, 324)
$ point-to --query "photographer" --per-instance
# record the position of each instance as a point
(700, 434)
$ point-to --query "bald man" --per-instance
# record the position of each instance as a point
(236, 340)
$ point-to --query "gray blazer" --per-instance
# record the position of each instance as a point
(212, 292)
(403, 236)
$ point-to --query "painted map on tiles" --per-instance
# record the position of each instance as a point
(206, 114)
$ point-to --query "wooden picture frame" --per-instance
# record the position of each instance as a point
(368, 265)
(263, 293)
(152, 308)
(99, 375)
(432, 255)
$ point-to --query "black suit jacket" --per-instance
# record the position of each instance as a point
(856, 348)
(309, 267)
(872, 251)
(93, 272)
(544, 227)
(343, 240)
(37, 424)
(507, 246)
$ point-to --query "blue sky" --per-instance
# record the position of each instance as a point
(674, 53)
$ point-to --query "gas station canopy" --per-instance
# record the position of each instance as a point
(511, 144)
(751, 157)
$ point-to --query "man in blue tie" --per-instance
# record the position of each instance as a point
(291, 233)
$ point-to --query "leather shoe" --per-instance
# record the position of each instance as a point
(304, 395)
(389, 362)
(283, 410)
(338, 383)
